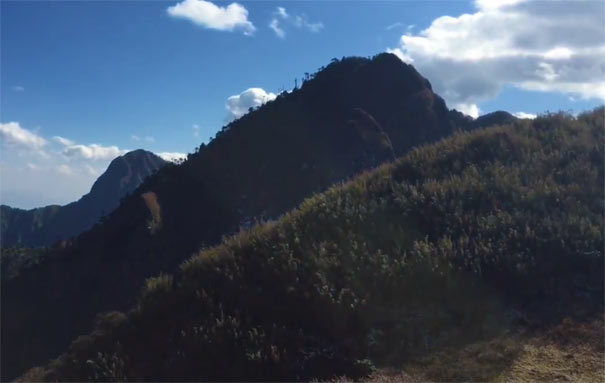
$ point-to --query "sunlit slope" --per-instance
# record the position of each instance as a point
(456, 243)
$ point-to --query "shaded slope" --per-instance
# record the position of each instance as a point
(352, 115)
(46, 225)
(448, 245)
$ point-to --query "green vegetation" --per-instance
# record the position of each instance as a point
(454, 244)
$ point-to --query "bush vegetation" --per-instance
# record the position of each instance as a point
(448, 244)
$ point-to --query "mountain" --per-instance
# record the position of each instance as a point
(349, 116)
(477, 258)
(46, 225)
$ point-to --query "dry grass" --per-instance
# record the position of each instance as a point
(555, 364)
(570, 351)
(151, 201)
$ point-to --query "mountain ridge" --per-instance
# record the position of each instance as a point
(45, 225)
(351, 116)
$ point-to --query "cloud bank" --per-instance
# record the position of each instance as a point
(548, 46)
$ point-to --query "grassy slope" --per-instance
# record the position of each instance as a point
(453, 247)
(353, 115)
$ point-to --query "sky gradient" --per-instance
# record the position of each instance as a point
(82, 82)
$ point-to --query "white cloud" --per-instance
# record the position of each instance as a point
(495, 4)
(208, 15)
(63, 141)
(402, 56)
(239, 104)
(298, 21)
(173, 156)
(548, 46)
(279, 32)
(149, 139)
(65, 170)
(14, 135)
(18, 88)
(196, 130)
(302, 22)
(394, 25)
(134, 137)
(525, 115)
(93, 171)
(93, 152)
(468, 109)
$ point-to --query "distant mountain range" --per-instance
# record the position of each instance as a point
(349, 117)
(46, 225)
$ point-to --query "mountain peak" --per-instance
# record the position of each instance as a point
(125, 173)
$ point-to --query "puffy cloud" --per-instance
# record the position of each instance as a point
(281, 17)
(196, 130)
(14, 135)
(549, 46)
(173, 156)
(468, 109)
(525, 115)
(89, 152)
(239, 104)
(208, 15)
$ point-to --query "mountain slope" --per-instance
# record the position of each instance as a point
(352, 115)
(45, 225)
(457, 242)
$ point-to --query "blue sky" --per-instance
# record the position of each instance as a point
(127, 74)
